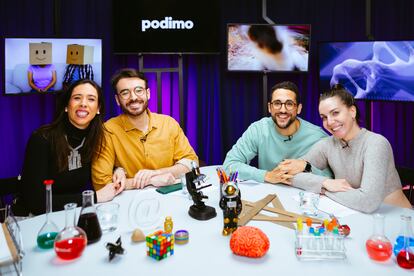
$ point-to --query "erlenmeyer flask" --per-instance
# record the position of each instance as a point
(72, 240)
(88, 220)
(49, 230)
(405, 256)
(378, 247)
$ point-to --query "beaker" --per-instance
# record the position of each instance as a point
(405, 255)
(72, 240)
(49, 230)
(378, 247)
(88, 220)
(404, 232)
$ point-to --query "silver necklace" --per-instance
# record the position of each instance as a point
(74, 158)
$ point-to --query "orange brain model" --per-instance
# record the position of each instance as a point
(249, 241)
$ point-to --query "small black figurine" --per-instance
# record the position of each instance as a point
(231, 204)
(115, 248)
(194, 180)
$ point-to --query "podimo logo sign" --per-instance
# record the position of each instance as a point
(166, 23)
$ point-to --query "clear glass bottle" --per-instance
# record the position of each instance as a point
(405, 230)
(378, 247)
(403, 244)
(72, 240)
(88, 220)
(49, 230)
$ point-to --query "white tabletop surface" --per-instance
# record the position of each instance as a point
(208, 251)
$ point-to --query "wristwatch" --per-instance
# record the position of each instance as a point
(308, 167)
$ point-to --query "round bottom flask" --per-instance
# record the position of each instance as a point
(72, 240)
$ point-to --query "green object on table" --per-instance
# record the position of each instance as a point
(169, 189)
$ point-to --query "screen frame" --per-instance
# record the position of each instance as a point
(171, 10)
(46, 39)
(265, 71)
(323, 88)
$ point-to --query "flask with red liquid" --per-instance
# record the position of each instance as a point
(49, 230)
(72, 240)
(405, 254)
(88, 220)
(378, 247)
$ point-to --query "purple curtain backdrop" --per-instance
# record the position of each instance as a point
(218, 105)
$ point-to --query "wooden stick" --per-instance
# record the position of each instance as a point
(256, 208)
(277, 204)
(274, 219)
(283, 212)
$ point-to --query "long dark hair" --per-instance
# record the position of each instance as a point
(55, 132)
(338, 90)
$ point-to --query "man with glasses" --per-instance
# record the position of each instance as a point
(275, 139)
(142, 148)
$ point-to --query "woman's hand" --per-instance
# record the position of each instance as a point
(336, 185)
(119, 177)
(108, 192)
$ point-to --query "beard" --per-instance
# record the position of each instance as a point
(135, 112)
(287, 124)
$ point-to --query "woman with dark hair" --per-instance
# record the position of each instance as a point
(361, 161)
(63, 151)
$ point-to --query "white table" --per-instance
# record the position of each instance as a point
(208, 252)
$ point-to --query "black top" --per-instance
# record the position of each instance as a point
(40, 164)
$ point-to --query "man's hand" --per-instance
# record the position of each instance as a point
(278, 176)
(162, 179)
(336, 185)
(142, 178)
(119, 177)
(292, 166)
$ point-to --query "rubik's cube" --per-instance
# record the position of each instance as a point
(160, 245)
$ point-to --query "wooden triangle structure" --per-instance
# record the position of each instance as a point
(251, 211)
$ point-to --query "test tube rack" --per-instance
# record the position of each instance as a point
(318, 248)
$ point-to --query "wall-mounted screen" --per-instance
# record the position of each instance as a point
(48, 65)
(168, 26)
(266, 47)
(374, 70)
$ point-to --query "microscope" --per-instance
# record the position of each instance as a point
(194, 182)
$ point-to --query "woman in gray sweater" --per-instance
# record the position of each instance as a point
(361, 161)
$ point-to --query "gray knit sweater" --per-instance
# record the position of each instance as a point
(367, 163)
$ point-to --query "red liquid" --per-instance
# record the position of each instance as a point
(70, 249)
(379, 250)
(405, 259)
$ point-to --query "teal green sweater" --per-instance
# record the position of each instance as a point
(261, 139)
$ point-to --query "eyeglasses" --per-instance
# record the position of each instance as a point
(289, 105)
(126, 93)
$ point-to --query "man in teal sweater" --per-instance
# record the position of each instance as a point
(274, 139)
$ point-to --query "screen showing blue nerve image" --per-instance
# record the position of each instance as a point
(373, 70)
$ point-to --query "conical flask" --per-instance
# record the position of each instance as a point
(405, 256)
(49, 230)
(88, 220)
(378, 247)
(72, 240)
